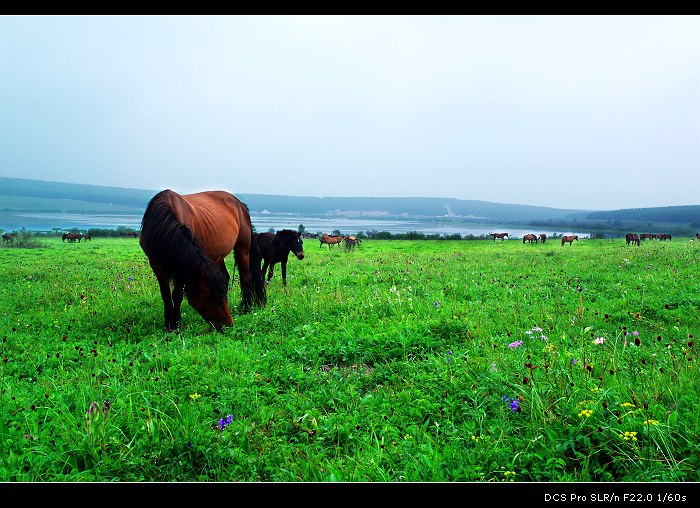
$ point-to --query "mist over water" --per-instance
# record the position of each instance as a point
(265, 222)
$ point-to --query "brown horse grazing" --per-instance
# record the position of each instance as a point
(87, 236)
(663, 236)
(632, 238)
(646, 236)
(275, 248)
(71, 237)
(9, 237)
(331, 240)
(530, 238)
(569, 239)
(502, 236)
(187, 238)
(543, 237)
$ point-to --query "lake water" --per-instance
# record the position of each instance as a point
(265, 222)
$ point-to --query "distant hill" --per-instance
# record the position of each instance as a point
(26, 195)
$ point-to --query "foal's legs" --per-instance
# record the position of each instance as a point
(284, 272)
(267, 266)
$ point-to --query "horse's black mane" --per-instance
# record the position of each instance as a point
(287, 232)
(177, 249)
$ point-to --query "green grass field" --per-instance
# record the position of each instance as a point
(454, 361)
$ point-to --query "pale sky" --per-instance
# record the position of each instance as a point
(586, 112)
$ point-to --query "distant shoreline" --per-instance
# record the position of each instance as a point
(49, 222)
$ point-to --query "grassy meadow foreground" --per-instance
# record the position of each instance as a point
(399, 361)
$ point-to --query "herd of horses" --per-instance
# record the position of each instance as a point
(635, 239)
(187, 237)
(531, 237)
(534, 238)
(331, 240)
(75, 237)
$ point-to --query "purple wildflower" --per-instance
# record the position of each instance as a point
(436, 304)
(512, 404)
(223, 422)
(515, 344)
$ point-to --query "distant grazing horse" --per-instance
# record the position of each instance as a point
(646, 236)
(664, 236)
(87, 236)
(331, 240)
(275, 248)
(502, 236)
(187, 238)
(569, 239)
(9, 237)
(543, 237)
(530, 238)
(71, 237)
(632, 238)
(351, 242)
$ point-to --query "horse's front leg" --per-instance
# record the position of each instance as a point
(284, 272)
(222, 268)
(169, 313)
(178, 295)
